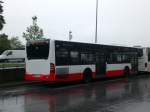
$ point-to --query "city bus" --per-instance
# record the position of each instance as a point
(63, 61)
(144, 60)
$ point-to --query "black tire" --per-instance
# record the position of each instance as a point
(126, 71)
(87, 76)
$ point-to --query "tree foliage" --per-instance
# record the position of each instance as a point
(2, 21)
(15, 43)
(4, 43)
(33, 32)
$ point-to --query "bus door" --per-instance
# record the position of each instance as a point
(100, 65)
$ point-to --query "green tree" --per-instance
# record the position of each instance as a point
(4, 42)
(2, 21)
(15, 43)
(33, 32)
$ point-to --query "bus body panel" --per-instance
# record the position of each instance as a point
(121, 66)
(38, 67)
(144, 61)
(52, 52)
(72, 69)
(116, 69)
(73, 72)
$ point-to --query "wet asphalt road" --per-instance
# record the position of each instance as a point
(123, 95)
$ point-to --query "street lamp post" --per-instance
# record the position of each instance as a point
(70, 35)
(96, 21)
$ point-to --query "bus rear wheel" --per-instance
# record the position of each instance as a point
(87, 76)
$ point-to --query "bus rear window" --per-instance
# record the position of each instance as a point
(38, 50)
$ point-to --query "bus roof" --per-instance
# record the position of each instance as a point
(95, 44)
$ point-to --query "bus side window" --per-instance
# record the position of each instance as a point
(125, 58)
(74, 58)
(113, 58)
(119, 58)
(62, 57)
(83, 58)
(87, 58)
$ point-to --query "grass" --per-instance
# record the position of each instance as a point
(8, 65)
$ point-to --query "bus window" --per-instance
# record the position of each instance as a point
(74, 58)
(125, 58)
(87, 58)
(119, 58)
(112, 58)
(38, 50)
(62, 57)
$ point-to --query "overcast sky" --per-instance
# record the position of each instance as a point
(122, 22)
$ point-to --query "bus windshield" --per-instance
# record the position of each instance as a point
(38, 49)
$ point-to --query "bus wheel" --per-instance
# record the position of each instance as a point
(126, 71)
(87, 75)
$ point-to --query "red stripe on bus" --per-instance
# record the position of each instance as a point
(40, 77)
(114, 73)
(61, 77)
(70, 77)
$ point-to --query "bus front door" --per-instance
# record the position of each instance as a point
(100, 65)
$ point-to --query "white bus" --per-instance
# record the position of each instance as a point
(62, 61)
(144, 61)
